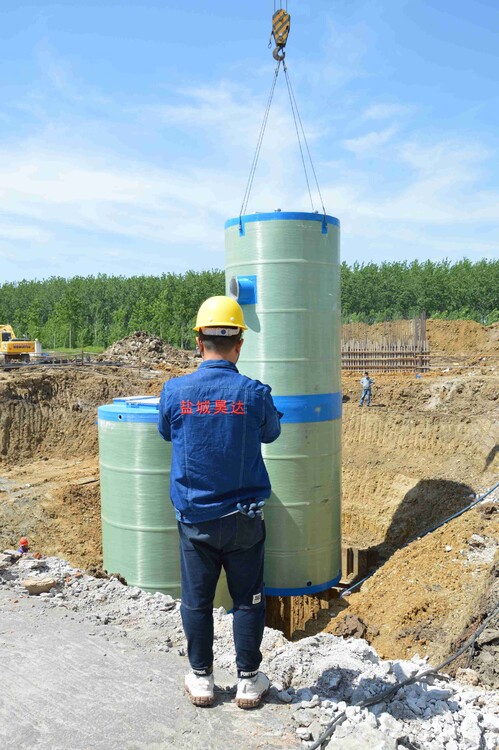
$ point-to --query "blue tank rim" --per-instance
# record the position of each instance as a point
(130, 409)
(282, 216)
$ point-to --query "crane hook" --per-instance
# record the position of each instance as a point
(281, 24)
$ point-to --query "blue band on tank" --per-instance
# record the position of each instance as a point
(121, 413)
(303, 590)
(320, 407)
(241, 221)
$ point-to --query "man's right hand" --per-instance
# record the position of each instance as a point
(251, 509)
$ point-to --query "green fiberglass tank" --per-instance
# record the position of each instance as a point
(139, 528)
(284, 270)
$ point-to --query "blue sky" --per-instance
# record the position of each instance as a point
(127, 129)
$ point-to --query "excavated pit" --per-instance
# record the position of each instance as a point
(415, 457)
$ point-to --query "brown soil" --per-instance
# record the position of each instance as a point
(55, 503)
(463, 337)
(417, 454)
(413, 458)
(51, 412)
(429, 594)
(49, 488)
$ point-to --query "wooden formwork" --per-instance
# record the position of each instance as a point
(291, 613)
(374, 357)
(386, 347)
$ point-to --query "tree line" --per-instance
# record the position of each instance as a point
(99, 310)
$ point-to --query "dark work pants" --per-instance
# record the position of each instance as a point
(235, 542)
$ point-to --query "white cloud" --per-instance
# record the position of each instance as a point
(23, 232)
(439, 206)
(370, 141)
(99, 193)
(385, 111)
(233, 117)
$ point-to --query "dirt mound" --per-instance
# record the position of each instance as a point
(49, 412)
(462, 337)
(141, 348)
(416, 455)
(428, 594)
(81, 542)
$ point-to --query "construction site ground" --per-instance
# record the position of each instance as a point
(421, 452)
(85, 692)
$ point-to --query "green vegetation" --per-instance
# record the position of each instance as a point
(463, 290)
(96, 311)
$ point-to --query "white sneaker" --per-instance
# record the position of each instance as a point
(250, 690)
(200, 689)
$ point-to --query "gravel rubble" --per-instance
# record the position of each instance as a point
(315, 679)
(142, 348)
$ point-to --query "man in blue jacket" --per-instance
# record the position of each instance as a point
(217, 419)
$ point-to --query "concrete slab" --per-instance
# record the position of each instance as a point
(64, 686)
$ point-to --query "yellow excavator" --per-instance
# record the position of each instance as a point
(13, 349)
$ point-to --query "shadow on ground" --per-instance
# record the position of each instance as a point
(426, 505)
(491, 456)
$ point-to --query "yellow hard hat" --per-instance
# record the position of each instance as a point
(220, 311)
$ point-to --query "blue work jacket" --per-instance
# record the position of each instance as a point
(216, 419)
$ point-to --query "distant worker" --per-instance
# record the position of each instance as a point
(217, 419)
(23, 545)
(366, 384)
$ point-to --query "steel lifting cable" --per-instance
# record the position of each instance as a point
(294, 108)
(280, 32)
(298, 127)
(259, 144)
(293, 105)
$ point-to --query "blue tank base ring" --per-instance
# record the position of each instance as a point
(316, 589)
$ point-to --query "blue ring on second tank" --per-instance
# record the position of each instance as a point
(301, 591)
(317, 407)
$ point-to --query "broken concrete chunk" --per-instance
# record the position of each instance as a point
(490, 722)
(362, 737)
(304, 733)
(36, 586)
(304, 717)
(29, 563)
(13, 554)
